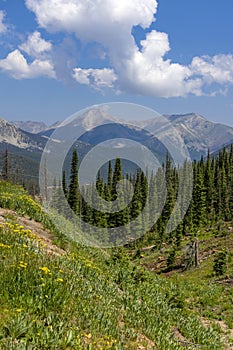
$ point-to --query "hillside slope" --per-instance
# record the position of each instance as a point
(75, 297)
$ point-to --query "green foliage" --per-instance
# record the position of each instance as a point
(64, 184)
(93, 299)
(73, 196)
(86, 298)
(171, 258)
(211, 202)
(220, 263)
(16, 198)
(5, 172)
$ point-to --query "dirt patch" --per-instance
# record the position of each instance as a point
(227, 338)
(141, 342)
(178, 336)
(144, 343)
(36, 227)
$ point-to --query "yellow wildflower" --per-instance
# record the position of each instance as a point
(88, 336)
(60, 280)
(22, 265)
(45, 269)
(5, 245)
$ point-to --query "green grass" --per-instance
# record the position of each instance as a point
(92, 299)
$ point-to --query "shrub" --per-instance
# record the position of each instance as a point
(220, 263)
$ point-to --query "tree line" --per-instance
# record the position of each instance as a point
(209, 204)
(18, 170)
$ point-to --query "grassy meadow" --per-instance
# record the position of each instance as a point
(75, 297)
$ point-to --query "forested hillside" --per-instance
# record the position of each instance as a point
(207, 189)
(149, 294)
(74, 297)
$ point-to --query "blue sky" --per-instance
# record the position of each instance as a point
(57, 57)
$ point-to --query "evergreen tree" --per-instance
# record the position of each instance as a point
(87, 210)
(115, 218)
(73, 196)
(224, 195)
(220, 263)
(64, 184)
(230, 179)
(58, 198)
(100, 185)
(136, 204)
(208, 185)
(117, 176)
(199, 199)
(109, 183)
(170, 176)
(5, 172)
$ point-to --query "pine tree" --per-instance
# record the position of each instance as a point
(199, 198)
(170, 177)
(224, 195)
(230, 179)
(54, 193)
(117, 176)
(100, 185)
(64, 184)
(152, 199)
(5, 173)
(217, 193)
(100, 215)
(58, 198)
(109, 183)
(116, 217)
(208, 184)
(73, 197)
(137, 205)
(220, 263)
(87, 210)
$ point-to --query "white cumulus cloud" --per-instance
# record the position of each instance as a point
(107, 22)
(147, 71)
(144, 70)
(218, 69)
(89, 19)
(3, 27)
(35, 45)
(96, 77)
(17, 66)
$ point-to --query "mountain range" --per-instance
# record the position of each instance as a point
(33, 127)
(25, 141)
